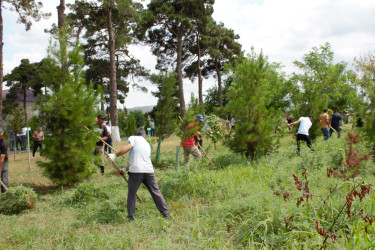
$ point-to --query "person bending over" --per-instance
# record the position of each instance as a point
(140, 170)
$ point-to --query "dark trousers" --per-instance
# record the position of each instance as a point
(23, 141)
(36, 145)
(11, 144)
(135, 180)
(18, 142)
(325, 133)
(109, 141)
(4, 176)
(152, 132)
(305, 138)
(337, 128)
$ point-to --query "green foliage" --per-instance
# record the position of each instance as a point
(66, 111)
(189, 125)
(366, 86)
(256, 119)
(139, 118)
(147, 124)
(211, 102)
(321, 84)
(130, 125)
(16, 120)
(27, 10)
(16, 200)
(166, 110)
(216, 128)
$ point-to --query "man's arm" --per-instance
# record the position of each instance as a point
(293, 123)
(124, 149)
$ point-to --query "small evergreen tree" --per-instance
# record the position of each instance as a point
(16, 120)
(140, 119)
(250, 96)
(130, 125)
(166, 110)
(69, 149)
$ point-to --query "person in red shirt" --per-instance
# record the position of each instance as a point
(189, 143)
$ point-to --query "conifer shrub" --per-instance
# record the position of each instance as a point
(69, 147)
(130, 125)
(251, 97)
(16, 200)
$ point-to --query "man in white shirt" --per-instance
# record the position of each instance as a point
(141, 171)
(303, 131)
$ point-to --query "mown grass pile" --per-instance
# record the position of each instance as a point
(242, 204)
(16, 200)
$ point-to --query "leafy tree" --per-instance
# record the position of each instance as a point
(166, 110)
(108, 27)
(201, 15)
(169, 26)
(69, 150)
(223, 48)
(216, 128)
(250, 96)
(365, 66)
(139, 118)
(21, 79)
(27, 10)
(130, 125)
(16, 120)
(320, 81)
(212, 97)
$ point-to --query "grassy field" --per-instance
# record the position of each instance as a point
(235, 206)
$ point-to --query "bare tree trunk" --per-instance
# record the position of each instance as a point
(112, 67)
(200, 80)
(60, 14)
(179, 72)
(62, 39)
(24, 102)
(1, 62)
(219, 88)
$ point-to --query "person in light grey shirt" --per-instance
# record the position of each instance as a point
(140, 171)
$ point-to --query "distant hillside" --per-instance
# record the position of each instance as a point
(144, 109)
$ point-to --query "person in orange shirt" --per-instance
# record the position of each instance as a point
(189, 144)
(324, 124)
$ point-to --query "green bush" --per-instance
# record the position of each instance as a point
(16, 200)
(87, 193)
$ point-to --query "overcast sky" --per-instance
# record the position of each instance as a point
(284, 30)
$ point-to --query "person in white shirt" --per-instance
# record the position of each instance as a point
(303, 131)
(140, 170)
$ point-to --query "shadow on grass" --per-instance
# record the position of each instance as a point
(41, 189)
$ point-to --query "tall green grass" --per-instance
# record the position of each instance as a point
(234, 206)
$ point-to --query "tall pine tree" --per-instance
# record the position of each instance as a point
(69, 149)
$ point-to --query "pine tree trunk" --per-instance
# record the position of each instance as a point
(24, 103)
(200, 80)
(62, 39)
(219, 88)
(1, 62)
(179, 72)
(112, 76)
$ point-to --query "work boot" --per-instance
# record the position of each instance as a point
(102, 170)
